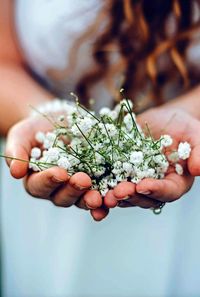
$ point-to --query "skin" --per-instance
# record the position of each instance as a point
(55, 184)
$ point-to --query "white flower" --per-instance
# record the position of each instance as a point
(61, 131)
(140, 174)
(100, 171)
(163, 167)
(135, 180)
(97, 146)
(117, 164)
(104, 111)
(53, 154)
(40, 137)
(108, 129)
(166, 140)
(73, 160)
(60, 143)
(61, 118)
(117, 168)
(150, 172)
(127, 102)
(104, 192)
(159, 159)
(184, 150)
(49, 140)
(112, 182)
(128, 121)
(119, 177)
(63, 162)
(113, 115)
(36, 153)
(179, 169)
(99, 158)
(173, 157)
(128, 168)
(33, 165)
(136, 157)
(109, 150)
(83, 126)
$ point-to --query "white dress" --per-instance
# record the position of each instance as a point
(55, 252)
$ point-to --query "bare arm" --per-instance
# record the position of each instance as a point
(17, 88)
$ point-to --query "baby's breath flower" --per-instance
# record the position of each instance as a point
(99, 171)
(184, 150)
(53, 154)
(127, 103)
(112, 183)
(63, 162)
(36, 153)
(49, 140)
(61, 118)
(104, 191)
(110, 148)
(128, 121)
(128, 168)
(173, 157)
(136, 157)
(179, 169)
(33, 165)
(40, 137)
(104, 111)
(166, 140)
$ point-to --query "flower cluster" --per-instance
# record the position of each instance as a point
(110, 147)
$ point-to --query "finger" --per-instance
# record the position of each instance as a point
(99, 214)
(124, 190)
(140, 201)
(93, 199)
(69, 194)
(18, 168)
(194, 139)
(20, 140)
(42, 184)
(80, 203)
(194, 161)
(171, 188)
(110, 200)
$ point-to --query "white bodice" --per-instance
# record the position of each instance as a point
(47, 30)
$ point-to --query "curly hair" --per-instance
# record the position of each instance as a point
(151, 39)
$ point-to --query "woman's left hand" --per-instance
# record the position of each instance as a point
(148, 193)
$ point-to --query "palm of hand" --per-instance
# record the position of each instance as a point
(181, 126)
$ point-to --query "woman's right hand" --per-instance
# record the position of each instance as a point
(53, 184)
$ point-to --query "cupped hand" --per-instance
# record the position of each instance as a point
(148, 193)
(54, 183)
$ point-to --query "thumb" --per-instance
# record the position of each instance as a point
(194, 161)
(17, 153)
(17, 160)
(194, 140)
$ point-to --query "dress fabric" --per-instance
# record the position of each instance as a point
(56, 252)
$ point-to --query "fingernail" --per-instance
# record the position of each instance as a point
(125, 198)
(145, 193)
(80, 188)
(88, 206)
(57, 180)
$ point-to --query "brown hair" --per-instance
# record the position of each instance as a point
(151, 38)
